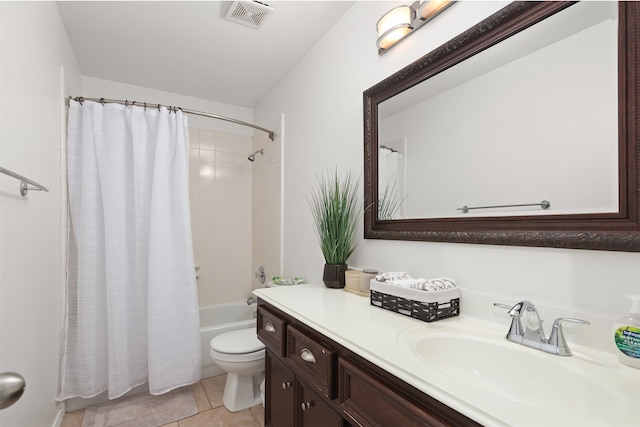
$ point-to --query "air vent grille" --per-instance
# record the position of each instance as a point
(249, 13)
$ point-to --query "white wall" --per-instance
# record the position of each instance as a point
(100, 88)
(34, 47)
(322, 100)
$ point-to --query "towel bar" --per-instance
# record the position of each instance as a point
(24, 182)
(545, 204)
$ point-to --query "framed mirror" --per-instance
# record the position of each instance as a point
(523, 130)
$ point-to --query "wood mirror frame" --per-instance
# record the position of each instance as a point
(618, 231)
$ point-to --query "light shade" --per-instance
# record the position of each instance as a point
(394, 25)
(401, 21)
(431, 8)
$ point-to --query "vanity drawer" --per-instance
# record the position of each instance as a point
(272, 331)
(311, 360)
(370, 402)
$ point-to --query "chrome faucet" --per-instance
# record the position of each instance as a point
(532, 335)
(533, 331)
(251, 300)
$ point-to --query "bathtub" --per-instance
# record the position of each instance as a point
(218, 319)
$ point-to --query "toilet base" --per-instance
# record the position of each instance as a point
(242, 391)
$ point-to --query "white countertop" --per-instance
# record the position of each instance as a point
(373, 333)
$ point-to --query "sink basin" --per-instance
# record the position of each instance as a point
(480, 358)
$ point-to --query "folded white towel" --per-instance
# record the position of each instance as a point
(441, 283)
(409, 283)
(404, 280)
(399, 275)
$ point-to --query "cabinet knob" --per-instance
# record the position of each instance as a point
(307, 356)
(306, 405)
(269, 327)
(286, 385)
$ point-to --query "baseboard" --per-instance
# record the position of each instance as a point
(57, 422)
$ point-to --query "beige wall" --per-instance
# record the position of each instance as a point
(220, 193)
(266, 205)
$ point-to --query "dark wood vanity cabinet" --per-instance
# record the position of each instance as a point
(289, 402)
(312, 381)
(280, 388)
(314, 411)
(299, 375)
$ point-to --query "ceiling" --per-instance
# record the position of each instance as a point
(187, 47)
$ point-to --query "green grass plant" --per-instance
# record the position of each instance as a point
(335, 209)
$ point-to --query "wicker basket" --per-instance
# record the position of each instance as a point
(427, 306)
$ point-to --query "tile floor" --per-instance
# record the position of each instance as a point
(211, 412)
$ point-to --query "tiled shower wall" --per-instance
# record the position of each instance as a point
(220, 193)
(267, 197)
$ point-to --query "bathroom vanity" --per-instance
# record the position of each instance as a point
(312, 380)
(332, 359)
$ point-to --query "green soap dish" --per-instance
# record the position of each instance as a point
(286, 281)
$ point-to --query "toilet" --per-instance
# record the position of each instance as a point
(241, 355)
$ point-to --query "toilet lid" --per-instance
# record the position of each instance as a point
(238, 342)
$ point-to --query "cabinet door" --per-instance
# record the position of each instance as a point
(313, 411)
(280, 393)
(368, 401)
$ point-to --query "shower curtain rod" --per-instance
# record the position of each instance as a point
(103, 101)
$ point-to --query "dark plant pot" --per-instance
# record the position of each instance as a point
(333, 276)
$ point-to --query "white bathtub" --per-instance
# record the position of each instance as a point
(217, 319)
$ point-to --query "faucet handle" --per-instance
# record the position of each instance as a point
(558, 321)
(516, 331)
(557, 339)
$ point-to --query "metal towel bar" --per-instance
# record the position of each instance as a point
(24, 182)
(543, 204)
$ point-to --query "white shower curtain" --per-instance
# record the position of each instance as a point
(391, 177)
(132, 305)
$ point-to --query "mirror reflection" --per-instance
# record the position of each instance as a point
(533, 118)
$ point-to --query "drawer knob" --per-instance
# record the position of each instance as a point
(306, 405)
(269, 327)
(286, 385)
(307, 356)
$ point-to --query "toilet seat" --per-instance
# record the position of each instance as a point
(241, 355)
(237, 346)
(236, 358)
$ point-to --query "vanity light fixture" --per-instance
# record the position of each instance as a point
(393, 26)
(401, 21)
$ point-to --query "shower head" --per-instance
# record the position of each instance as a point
(252, 156)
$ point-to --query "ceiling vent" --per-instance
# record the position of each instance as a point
(249, 13)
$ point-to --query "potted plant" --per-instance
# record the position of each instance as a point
(335, 209)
